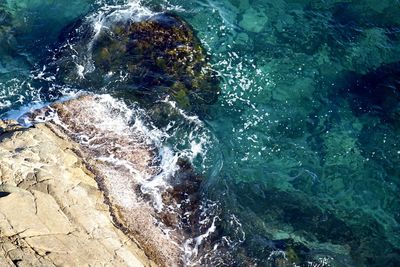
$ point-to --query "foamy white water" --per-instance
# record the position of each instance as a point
(113, 120)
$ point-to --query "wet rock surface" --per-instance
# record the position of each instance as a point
(151, 60)
(125, 165)
(146, 60)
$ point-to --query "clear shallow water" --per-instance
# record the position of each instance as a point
(301, 151)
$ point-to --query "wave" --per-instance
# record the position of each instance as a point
(121, 141)
(148, 162)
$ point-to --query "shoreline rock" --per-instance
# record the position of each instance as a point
(85, 144)
(52, 210)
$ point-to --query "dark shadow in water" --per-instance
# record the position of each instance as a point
(376, 93)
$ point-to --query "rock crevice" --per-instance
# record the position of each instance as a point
(52, 212)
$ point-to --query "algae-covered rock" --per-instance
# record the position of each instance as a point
(146, 59)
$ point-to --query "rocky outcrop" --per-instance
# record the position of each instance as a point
(145, 59)
(85, 185)
(52, 212)
(87, 175)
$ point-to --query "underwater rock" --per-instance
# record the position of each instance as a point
(366, 52)
(289, 227)
(253, 20)
(376, 93)
(384, 12)
(35, 31)
(144, 59)
(5, 18)
(12, 58)
(294, 36)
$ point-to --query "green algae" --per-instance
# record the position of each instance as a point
(306, 120)
(159, 56)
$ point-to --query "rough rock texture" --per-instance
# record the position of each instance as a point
(52, 212)
(157, 209)
(147, 60)
(123, 159)
(85, 183)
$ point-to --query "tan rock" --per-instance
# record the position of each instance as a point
(84, 190)
(8, 126)
(122, 158)
(54, 213)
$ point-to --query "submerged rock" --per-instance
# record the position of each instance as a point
(376, 93)
(36, 31)
(146, 59)
(253, 20)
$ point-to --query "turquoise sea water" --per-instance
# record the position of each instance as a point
(302, 156)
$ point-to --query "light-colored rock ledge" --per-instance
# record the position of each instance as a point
(52, 212)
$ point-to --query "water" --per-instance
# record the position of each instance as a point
(300, 154)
